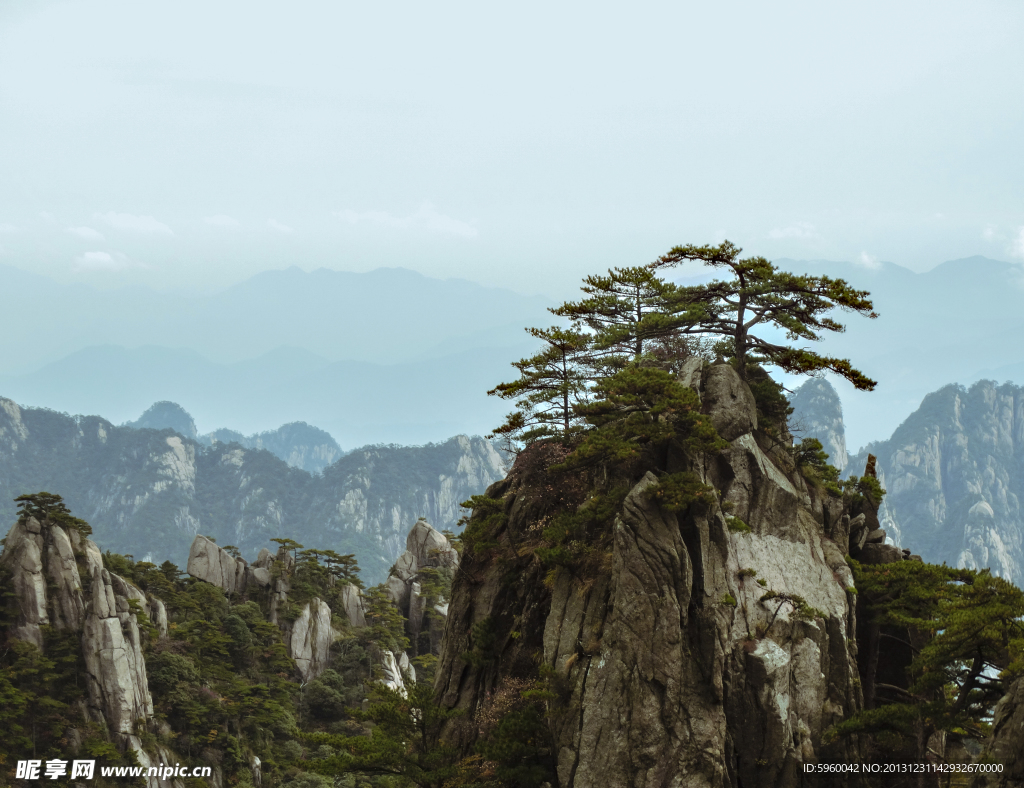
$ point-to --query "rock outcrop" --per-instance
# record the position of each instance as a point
(818, 413)
(670, 666)
(45, 564)
(311, 638)
(207, 561)
(426, 549)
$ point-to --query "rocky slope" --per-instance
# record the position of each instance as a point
(818, 413)
(667, 664)
(149, 492)
(954, 472)
(428, 556)
(60, 592)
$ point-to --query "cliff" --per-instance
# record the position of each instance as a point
(953, 473)
(59, 584)
(709, 646)
(148, 493)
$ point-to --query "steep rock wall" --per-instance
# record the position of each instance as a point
(671, 671)
(954, 476)
(45, 564)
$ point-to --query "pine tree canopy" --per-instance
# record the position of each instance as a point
(758, 295)
(630, 308)
(632, 317)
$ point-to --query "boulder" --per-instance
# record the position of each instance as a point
(208, 562)
(876, 537)
(430, 547)
(729, 403)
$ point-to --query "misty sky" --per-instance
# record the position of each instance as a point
(192, 144)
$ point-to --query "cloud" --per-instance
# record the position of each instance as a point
(989, 233)
(868, 261)
(426, 218)
(220, 220)
(102, 261)
(8, 228)
(87, 233)
(795, 230)
(281, 228)
(135, 224)
(1017, 248)
(46, 216)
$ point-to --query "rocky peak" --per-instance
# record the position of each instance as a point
(951, 472)
(669, 666)
(818, 413)
(166, 415)
(58, 579)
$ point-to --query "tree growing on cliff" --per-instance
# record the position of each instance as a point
(963, 633)
(629, 310)
(550, 386)
(758, 296)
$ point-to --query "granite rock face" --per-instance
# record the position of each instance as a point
(818, 413)
(953, 480)
(671, 669)
(426, 549)
(45, 565)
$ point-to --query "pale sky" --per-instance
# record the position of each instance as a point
(193, 144)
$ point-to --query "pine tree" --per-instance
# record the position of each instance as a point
(758, 296)
(629, 309)
(964, 633)
(405, 740)
(550, 385)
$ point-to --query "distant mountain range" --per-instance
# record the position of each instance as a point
(379, 357)
(298, 444)
(393, 356)
(356, 402)
(386, 316)
(148, 492)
